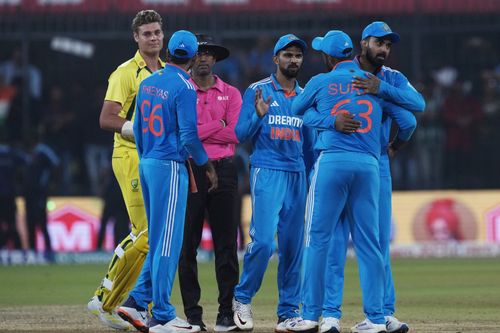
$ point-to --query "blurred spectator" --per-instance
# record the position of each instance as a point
(462, 112)
(97, 151)
(38, 179)
(62, 128)
(257, 63)
(7, 94)
(114, 210)
(12, 160)
(428, 139)
(14, 68)
(27, 81)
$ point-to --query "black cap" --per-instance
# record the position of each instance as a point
(207, 42)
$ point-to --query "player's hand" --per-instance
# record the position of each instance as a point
(212, 176)
(366, 85)
(345, 123)
(261, 106)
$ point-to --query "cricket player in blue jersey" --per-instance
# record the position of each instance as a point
(346, 180)
(166, 135)
(392, 86)
(277, 184)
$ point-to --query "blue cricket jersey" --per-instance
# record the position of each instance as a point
(395, 88)
(277, 137)
(165, 117)
(332, 93)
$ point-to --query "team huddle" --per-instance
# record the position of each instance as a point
(319, 172)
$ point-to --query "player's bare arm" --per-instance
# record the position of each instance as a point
(345, 123)
(367, 85)
(261, 106)
(111, 121)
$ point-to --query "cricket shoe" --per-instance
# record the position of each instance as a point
(302, 325)
(366, 326)
(393, 325)
(329, 325)
(134, 314)
(242, 315)
(110, 319)
(282, 322)
(176, 325)
(225, 323)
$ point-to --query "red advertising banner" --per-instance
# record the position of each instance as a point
(348, 7)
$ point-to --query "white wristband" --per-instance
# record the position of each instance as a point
(127, 131)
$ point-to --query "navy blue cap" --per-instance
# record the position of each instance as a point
(380, 29)
(183, 44)
(286, 40)
(335, 43)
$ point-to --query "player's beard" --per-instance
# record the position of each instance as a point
(291, 71)
(374, 59)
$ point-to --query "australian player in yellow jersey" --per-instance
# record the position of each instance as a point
(116, 114)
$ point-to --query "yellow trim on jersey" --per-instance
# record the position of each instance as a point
(123, 84)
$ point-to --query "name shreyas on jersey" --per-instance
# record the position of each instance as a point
(155, 91)
(285, 133)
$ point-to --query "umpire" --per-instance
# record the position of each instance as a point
(218, 108)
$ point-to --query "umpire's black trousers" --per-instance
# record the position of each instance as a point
(219, 205)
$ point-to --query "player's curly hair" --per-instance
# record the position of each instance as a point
(145, 17)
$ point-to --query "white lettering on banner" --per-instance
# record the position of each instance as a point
(78, 238)
(10, 2)
(59, 2)
(165, 2)
(493, 225)
(316, 1)
(285, 120)
(226, 2)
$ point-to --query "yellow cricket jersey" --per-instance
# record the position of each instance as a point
(123, 84)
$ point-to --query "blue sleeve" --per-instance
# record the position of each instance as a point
(186, 116)
(310, 154)
(405, 120)
(137, 124)
(248, 121)
(312, 118)
(306, 99)
(402, 94)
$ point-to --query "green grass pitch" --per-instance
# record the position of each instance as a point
(434, 295)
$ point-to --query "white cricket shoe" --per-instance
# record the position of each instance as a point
(282, 322)
(242, 315)
(393, 325)
(176, 325)
(138, 319)
(109, 319)
(366, 326)
(329, 325)
(302, 325)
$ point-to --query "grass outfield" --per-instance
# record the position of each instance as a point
(434, 295)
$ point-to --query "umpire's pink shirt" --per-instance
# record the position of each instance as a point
(221, 101)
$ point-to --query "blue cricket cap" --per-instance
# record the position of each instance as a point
(286, 40)
(183, 44)
(380, 29)
(335, 43)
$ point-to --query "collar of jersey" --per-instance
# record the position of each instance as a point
(176, 68)
(139, 60)
(377, 71)
(278, 87)
(219, 84)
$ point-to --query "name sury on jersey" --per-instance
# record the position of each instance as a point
(292, 132)
(155, 91)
